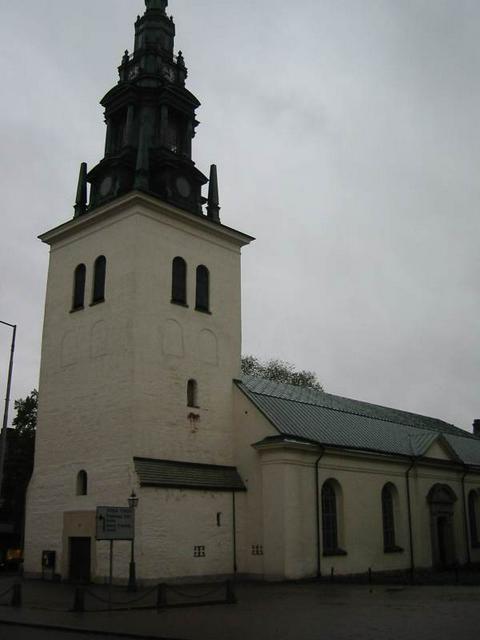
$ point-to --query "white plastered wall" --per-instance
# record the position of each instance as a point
(114, 375)
(282, 503)
(171, 522)
(250, 427)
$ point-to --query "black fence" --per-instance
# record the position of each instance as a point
(159, 597)
(457, 575)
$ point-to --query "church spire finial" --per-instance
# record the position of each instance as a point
(156, 4)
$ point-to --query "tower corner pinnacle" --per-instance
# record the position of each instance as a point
(213, 206)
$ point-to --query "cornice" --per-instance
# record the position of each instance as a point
(139, 200)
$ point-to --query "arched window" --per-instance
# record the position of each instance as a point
(82, 483)
(192, 393)
(472, 516)
(329, 519)
(388, 518)
(202, 296)
(100, 271)
(179, 281)
(79, 287)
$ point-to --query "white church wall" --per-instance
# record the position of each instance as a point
(423, 479)
(250, 427)
(52, 498)
(208, 348)
(289, 517)
(172, 524)
(114, 375)
(84, 390)
(360, 513)
(289, 496)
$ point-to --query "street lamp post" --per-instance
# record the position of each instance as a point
(132, 578)
(3, 435)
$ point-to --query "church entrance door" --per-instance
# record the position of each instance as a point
(79, 570)
(442, 509)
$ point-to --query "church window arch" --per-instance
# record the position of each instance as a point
(79, 278)
(331, 518)
(388, 517)
(99, 276)
(82, 483)
(179, 281)
(473, 518)
(202, 295)
(192, 393)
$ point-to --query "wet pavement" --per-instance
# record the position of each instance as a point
(300, 611)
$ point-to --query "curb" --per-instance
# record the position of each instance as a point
(115, 634)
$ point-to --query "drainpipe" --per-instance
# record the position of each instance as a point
(234, 531)
(465, 517)
(410, 532)
(317, 511)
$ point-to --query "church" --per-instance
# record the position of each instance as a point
(141, 391)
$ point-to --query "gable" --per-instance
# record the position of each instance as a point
(440, 451)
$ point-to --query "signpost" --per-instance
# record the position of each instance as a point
(114, 523)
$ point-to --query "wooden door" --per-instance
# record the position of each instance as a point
(80, 558)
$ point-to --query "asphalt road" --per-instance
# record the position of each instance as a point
(22, 633)
(285, 611)
(8, 632)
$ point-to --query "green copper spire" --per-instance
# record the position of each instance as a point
(151, 122)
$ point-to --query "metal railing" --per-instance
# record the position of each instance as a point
(160, 600)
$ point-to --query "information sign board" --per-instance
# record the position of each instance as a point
(115, 523)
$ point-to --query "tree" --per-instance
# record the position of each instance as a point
(280, 371)
(19, 459)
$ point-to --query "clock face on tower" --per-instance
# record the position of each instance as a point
(183, 186)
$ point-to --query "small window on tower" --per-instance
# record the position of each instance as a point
(82, 483)
(100, 272)
(192, 393)
(179, 281)
(202, 299)
(79, 287)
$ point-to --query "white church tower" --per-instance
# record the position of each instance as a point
(141, 342)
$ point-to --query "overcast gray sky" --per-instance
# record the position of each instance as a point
(346, 134)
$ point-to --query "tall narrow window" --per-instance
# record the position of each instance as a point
(100, 271)
(82, 483)
(202, 297)
(329, 519)
(388, 518)
(179, 281)
(79, 287)
(192, 393)
(472, 516)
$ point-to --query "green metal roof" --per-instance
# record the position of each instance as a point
(187, 475)
(332, 420)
